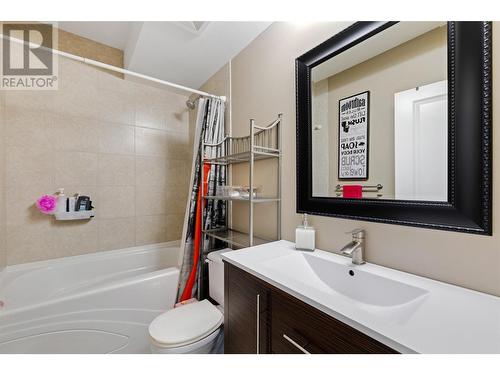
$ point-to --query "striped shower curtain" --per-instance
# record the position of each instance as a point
(210, 128)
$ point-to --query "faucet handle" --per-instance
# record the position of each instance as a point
(357, 233)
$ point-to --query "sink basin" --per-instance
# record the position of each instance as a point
(337, 278)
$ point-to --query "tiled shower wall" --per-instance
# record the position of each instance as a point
(125, 144)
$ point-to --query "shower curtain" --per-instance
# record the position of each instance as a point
(210, 128)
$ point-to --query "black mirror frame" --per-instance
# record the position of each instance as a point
(468, 208)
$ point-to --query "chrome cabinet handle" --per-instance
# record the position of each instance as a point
(295, 344)
(258, 322)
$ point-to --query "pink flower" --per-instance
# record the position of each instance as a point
(47, 204)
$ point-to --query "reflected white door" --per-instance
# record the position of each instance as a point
(421, 142)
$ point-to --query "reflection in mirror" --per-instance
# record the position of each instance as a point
(379, 117)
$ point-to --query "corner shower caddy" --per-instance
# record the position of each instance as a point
(261, 143)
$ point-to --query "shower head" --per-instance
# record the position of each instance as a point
(191, 103)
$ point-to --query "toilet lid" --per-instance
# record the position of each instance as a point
(186, 324)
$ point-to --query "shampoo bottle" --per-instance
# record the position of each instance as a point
(305, 236)
(61, 200)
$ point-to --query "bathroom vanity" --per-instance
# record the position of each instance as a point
(280, 300)
(263, 319)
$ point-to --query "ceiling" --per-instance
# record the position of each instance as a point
(184, 52)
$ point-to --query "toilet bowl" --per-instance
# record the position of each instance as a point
(194, 327)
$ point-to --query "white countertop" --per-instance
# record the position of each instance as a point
(448, 319)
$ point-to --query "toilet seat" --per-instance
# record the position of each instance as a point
(185, 325)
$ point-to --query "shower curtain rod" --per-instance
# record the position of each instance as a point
(116, 69)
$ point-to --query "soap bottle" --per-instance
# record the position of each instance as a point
(305, 236)
(61, 200)
(72, 203)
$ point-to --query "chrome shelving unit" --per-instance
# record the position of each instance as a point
(263, 142)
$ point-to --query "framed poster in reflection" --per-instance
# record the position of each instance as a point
(353, 137)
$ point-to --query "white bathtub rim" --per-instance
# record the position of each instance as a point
(78, 258)
(110, 286)
(11, 273)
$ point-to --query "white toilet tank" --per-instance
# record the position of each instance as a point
(216, 276)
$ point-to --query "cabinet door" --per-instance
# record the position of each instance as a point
(245, 313)
(297, 327)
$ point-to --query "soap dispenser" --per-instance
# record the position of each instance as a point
(305, 236)
(61, 200)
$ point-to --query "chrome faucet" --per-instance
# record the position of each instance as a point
(355, 248)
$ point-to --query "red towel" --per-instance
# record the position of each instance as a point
(352, 191)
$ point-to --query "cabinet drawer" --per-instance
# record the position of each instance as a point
(298, 328)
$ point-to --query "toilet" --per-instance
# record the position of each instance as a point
(194, 327)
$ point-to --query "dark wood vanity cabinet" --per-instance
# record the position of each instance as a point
(260, 318)
(246, 316)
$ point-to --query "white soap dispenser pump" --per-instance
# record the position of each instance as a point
(305, 236)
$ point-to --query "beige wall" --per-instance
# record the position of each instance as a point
(90, 49)
(123, 143)
(80, 46)
(417, 62)
(263, 79)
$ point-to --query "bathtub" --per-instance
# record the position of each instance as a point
(95, 303)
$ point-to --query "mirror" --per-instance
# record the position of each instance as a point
(379, 117)
(394, 125)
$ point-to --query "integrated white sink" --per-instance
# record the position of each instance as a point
(336, 278)
(404, 311)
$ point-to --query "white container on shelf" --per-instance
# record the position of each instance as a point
(75, 215)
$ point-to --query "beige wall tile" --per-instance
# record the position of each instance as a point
(116, 170)
(152, 171)
(29, 243)
(178, 145)
(20, 208)
(42, 101)
(75, 168)
(116, 233)
(74, 75)
(177, 118)
(151, 142)
(28, 128)
(116, 201)
(179, 173)
(75, 237)
(150, 107)
(74, 133)
(116, 139)
(151, 200)
(78, 94)
(28, 166)
(82, 137)
(174, 226)
(160, 109)
(116, 104)
(176, 201)
(151, 229)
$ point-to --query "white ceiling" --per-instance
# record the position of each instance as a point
(187, 53)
